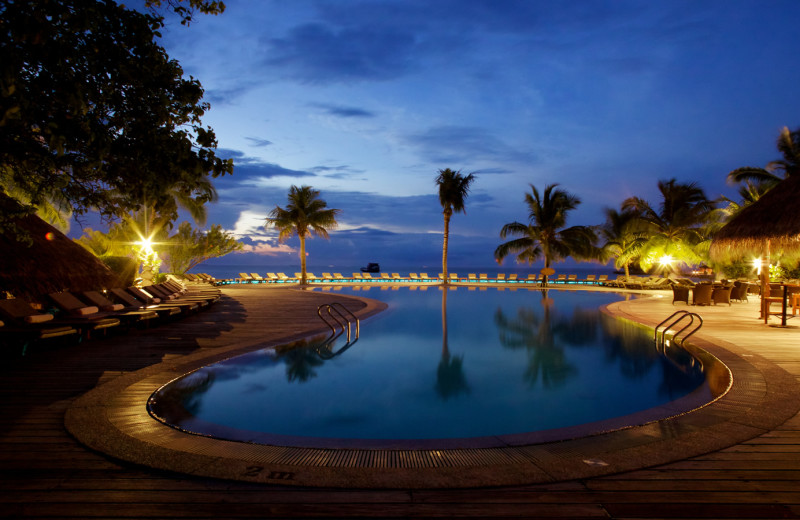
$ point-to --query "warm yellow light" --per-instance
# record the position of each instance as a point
(145, 243)
(757, 265)
(665, 261)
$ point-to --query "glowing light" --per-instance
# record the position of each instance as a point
(757, 265)
(145, 244)
(665, 261)
(50, 236)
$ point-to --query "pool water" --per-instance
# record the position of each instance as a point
(438, 365)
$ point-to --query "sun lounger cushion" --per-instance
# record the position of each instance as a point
(38, 318)
(85, 311)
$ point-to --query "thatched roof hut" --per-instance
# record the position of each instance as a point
(51, 262)
(769, 226)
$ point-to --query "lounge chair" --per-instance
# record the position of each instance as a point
(26, 325)
(338, 276)
(701, 294)
(454, 277)
(69, 302)
(326, 277)
(87, 318)
(385, 276)
(562, 278)
(357, 277)
(484, 277)
(151, 299)
(257, 278)
(657, 283)
(602, 279)
(414, 277)
(512, 277)
(245, 278)
(397, 277)
(572, 278)
(282, 278)
(472, 277)
(130, 302)
(501, 277)
(272, 277)
(532, 278)
(177, 292)
(424, 277)
(633, 282)
(590, 279)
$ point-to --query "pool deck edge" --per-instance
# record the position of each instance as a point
(112, 419)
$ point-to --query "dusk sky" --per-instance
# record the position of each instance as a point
(367, 100)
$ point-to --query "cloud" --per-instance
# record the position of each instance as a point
(258, 142)
(246, 167)
(343, 111)
(227, 96)
(337, 172)
(317, 53)
(460, 144)
(267, 249)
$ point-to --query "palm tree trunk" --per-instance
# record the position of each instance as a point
(302, 260)
(444, 244)
(627, 272)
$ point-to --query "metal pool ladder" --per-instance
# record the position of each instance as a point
(338, 316)
(676, 318)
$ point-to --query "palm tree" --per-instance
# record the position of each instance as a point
(788, 145)
(453, 189)
(545, 234)
(305, 215)
(450, 379)
(624, 237)
(676, 229)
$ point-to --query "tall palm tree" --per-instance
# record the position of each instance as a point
(453, 190)
(305, 215)
(677, 228)
(623, 236)
(545, 234)
(788, 145)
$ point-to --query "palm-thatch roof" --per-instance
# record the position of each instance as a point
(774, 218)
(48, 262)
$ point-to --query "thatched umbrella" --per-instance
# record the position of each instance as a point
(768, 227)
(49, 262)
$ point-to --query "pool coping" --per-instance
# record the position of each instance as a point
(113, 419)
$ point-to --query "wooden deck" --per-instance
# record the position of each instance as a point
(45, 473)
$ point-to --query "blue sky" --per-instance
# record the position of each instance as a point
(366, 100)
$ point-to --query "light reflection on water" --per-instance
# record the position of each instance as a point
(443, 364)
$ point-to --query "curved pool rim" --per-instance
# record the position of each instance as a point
(113, 419)
(717, 382)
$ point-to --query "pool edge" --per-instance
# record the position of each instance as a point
(112, 419)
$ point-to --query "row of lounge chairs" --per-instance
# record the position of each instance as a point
(419, 278)
(637, 283)
(83, 315)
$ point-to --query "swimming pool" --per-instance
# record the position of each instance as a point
(440, 365)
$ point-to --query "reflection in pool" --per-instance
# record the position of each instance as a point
(440, 364)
